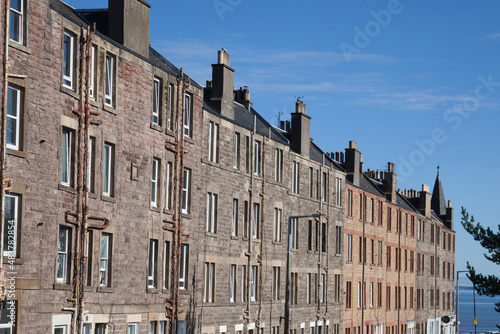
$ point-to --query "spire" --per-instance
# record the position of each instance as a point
(438, 203)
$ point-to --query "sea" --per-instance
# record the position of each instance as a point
(487, 317)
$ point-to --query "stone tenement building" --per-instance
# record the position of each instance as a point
(138, 201)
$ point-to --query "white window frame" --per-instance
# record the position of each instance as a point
(166, 266)
(237, 141)
(20, 14)
(109, 80)
(155, 182)
(277, 224)
(338, 191)
(186, 182)
(243, 283)
(63, 327)
(235, 218)
(213, 142)
(107, 164)
(295, 177)
(187, 115)
(256, 221)
(10, 248)
(253, 284)
(14, 116)
(66, 163)
(321, 287)
(156, 101)
(153, 325)
(294, 239)
(92, 86)
(104, 267)
(209, 283)
(184, 263)
(63, 254)
(276, 283)
(308, 288)
(371, 294)
(168, 173)
(90, 163)
(152, 263)
(133, 328)
(212, 203)
(256, 158)
(278, 165)
(349, 247)
(68, 60)
(232, 284)
(87, 328)
(170, 110)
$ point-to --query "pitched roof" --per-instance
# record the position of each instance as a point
(438, 203)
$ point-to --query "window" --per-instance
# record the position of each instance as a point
(170, 109)
(212, 212)
(59, 329)
(380, 212)
(253, 283)
(277, 225)
(371, 294)
(389, 257)
(379, 253)
(389, 218)
(152, 327)
(338, 240)
(360, 297)
(88, 263)
(336, 287)
(311, 182)
(324, 181)
(379, 294)
(155, 192)
(93, 69)
(372, 251)
(168, 187)
(213, 142)
(419, 227)
(247, 154)
(232, 284)
(294, 231)
(87, 328)
(275, 293)
(133, 328)
(11, 225)
(186, 190)
(152, 263)
(278, 165)
(388, 297)
(348, 295)
(295, 177)
(166, 264)
(188, 104)
(236, 161)
(243, 283)
(338, 191)
(109, 99)
(184, 266)
(323, 237)
(256, 221)
(412, 261)
(14, 121)
(349, 203)
(100, 328)
(349, 248)
(372, 210)
(63, 259)
(68, 60)
(256, 158)
(294, 288)
(17, 21)
(234, 225)
(156, 118)
(91, 165)
(67, 157)
(105, 265)
(321, 287)
(107, 169)
(309, 288)
(209, 284)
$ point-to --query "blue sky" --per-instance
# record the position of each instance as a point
(412, 82)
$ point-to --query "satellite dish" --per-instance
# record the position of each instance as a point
(445, 319)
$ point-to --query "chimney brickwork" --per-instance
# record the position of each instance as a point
(222, 95)
(300, 131)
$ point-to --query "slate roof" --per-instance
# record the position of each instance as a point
(438, 203)
(86, 17)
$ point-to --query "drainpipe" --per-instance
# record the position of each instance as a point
(3, 179)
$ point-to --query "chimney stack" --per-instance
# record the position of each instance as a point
(222, 96)
(300, 130)
(390, 183)
(243, 96)
(353, 163)
(129, 24)
(449, 216)
(424, 202)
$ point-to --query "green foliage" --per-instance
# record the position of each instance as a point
(488, 285)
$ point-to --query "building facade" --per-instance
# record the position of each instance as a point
(138, 201)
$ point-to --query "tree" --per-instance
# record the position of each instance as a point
(488, 285)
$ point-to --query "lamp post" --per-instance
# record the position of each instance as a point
(456, 297)
(287, 299)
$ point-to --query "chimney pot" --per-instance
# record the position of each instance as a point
(352, 144)
(449, 203)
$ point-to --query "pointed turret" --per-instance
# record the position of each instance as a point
(438, 203)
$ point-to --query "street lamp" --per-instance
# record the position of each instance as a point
(287, 299)
(456, 297)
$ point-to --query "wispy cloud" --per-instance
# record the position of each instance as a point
(490, 37)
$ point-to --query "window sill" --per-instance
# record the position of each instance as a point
(89, 288)
(20, 47)
(93, 195)
(16, 153)
(63, 286)
(110, 109)
(105, 289)
(67, 189)
(168, 211)
(153, 290)
(155, 209)
(156, 127)
(186, 215)
(211, 234)
(108, 199)
(69, 91)
(234, 237)
(277, 242)
(189, 140)
(94, 103)
(170, 132)
(17, 261)
(184, 291)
